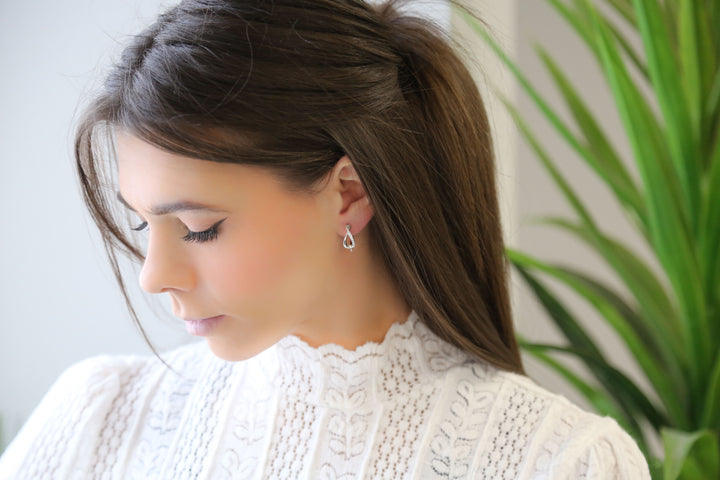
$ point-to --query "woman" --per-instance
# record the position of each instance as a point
(313, 183)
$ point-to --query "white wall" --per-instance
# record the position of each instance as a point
(58, 302)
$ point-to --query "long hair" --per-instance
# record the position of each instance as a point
(292, 86)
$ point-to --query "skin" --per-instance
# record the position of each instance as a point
(277, 266)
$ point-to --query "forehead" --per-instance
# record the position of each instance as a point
(148, 175)
(138, 157)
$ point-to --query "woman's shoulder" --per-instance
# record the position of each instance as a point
(101, 376)
(111, 372)
(531, 428)
(86, 397)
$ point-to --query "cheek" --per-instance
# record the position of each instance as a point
(280, 263)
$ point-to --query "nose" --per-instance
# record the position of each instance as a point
(166, 268)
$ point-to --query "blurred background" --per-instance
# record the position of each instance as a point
(58, 300)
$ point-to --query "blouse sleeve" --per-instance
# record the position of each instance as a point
(610, 454)
(52, 441)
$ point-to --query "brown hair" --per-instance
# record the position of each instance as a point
(292, 85)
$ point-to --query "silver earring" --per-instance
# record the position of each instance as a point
(349, 240)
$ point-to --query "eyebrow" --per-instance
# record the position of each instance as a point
(180, 206)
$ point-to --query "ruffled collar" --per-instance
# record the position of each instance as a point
(352, 379)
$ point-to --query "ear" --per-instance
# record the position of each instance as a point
(355, 208)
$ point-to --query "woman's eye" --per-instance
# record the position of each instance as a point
(204, 236)
(140, 227)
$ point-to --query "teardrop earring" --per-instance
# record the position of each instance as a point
(349, 240)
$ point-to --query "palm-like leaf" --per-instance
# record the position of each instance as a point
(669, 320)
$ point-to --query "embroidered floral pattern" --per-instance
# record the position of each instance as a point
(456, 441)
(118, 419)
(511, 433)
(412, 406)
(190, 456)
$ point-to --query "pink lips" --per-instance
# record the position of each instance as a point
(202, 327)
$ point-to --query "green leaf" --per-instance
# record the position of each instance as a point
(712, 114)
(551, 168)
(660, 377)
(709, 239)
(709, 62)
(691, 455)
(676, 208)
(659, 314)
(602, 156)
(711, 405)
(564, 186)
(562, 318)
(603, 403)
(552, 117)
(700, 68)
(625, 394)
(625, 9)
(692, 78)
(714, 19)
(669, 14)
(663, 69)
(582, 28)
(636, 59)
(617, 304)
(670, 230)
(577, 22)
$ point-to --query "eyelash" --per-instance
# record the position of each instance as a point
(199, 237)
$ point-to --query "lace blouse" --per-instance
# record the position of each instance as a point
(411, 407)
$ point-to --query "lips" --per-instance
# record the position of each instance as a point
(203, 327)
(200, 319)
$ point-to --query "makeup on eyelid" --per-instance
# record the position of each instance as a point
(192, 235)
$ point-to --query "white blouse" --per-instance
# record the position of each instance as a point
(411, 407)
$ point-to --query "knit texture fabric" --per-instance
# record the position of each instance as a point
(411, 407)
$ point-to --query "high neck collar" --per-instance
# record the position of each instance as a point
(330, 351)
(349, 379)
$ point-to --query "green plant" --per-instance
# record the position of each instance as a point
(669, 318)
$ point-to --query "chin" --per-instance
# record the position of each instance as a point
(232, 352)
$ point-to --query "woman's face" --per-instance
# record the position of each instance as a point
(244, 261)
